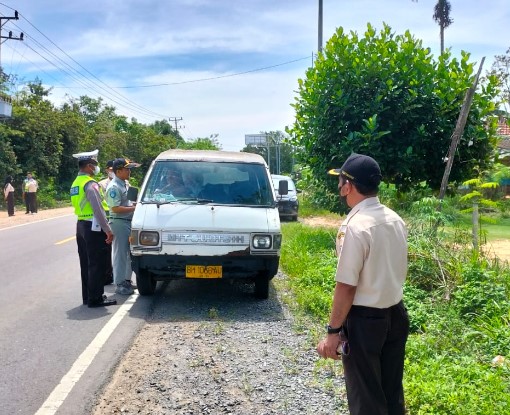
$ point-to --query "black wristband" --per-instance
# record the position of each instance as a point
(332, 330)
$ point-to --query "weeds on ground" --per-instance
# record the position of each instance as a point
(459, 307)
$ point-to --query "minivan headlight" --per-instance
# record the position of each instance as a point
(149, 238)
(262, 241)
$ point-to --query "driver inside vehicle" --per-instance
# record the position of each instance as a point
(173, 184)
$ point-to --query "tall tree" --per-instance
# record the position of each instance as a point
(441, 15)
(280, 155)
(501, 69)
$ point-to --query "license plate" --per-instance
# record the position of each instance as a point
(204, 271)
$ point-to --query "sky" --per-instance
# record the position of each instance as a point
(214, 67)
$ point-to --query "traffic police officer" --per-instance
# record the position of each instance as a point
(121, 213)
(92, 230)
(369, 325)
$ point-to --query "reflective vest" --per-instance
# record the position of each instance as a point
(82, 207)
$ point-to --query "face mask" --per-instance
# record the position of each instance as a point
(111, 175)
(96, 170)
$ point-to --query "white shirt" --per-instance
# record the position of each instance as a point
(372, 254)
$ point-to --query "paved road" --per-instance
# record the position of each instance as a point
(44, 328)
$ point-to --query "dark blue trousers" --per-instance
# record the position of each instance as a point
(94, 257)
(374, 367)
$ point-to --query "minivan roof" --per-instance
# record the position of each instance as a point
(210, 155)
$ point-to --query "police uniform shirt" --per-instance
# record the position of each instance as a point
(372, 254)
(116, 195)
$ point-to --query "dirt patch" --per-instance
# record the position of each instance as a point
(322, 221)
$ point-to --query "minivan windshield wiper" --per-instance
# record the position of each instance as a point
(195, 199)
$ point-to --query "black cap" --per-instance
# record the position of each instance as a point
(360, 169)
(109, 164)
(122, 162)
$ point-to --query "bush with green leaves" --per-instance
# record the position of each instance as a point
(384, 94)
(482, 291)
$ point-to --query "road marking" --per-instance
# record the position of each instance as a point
(35, 221)
(65, 240)
(66, 384)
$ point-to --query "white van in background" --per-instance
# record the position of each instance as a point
(206, 214)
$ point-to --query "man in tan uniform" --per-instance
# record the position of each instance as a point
(368, 325)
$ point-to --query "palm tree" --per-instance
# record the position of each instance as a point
(442, 17)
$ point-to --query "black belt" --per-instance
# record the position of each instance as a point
(121, 219)
(360, 310)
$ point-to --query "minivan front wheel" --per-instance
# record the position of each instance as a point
(145, 282)
(262, 287)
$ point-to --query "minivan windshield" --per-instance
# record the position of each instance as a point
(208, 182)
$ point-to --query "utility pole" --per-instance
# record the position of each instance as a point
(175, 120)
(319, 49)
(457, 133)
(2, 23)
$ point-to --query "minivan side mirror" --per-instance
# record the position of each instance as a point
(283, 187)
(298, 190)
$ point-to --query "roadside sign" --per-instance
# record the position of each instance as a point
(255, 139)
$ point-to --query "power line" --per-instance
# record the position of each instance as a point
(216, 77)
(115, 96)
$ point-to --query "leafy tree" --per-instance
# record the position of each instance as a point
(277, 141)
(441, 16)
(39, 147)
(501, 69)
(384, 95)
(202, 143)
(479, 198)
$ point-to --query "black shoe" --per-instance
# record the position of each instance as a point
(85, 302)
(103, 302)
(108, 281)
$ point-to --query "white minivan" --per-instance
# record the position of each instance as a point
(206, 214)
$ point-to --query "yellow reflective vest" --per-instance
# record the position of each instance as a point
(82, 207)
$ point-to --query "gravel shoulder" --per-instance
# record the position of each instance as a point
(211, 348)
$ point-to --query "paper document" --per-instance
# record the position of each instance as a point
(96, 227)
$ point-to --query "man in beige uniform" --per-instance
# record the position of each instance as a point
(369, 325)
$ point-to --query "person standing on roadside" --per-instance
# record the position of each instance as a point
(92, 230)
(109, 172)
(9, 195)
(121, 213)
(103, 184)
(369, 324)
(29, 193)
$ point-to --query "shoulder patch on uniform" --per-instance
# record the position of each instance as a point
(112, 193)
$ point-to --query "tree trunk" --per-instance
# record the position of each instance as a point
(475, 219)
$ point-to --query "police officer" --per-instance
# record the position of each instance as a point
(92, 230)
(121, 213)
(368, 324)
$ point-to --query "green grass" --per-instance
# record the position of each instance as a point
(456, 331)
(499, 229)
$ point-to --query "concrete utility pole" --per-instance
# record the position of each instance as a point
(319, 49)
(2, 23)
(175, 120)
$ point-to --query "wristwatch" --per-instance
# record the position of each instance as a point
(332, 330)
